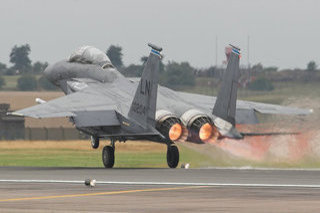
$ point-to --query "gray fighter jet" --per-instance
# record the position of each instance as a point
(102, 103)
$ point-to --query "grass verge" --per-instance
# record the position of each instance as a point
(80, 154)
(130, 155)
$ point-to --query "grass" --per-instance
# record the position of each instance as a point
(80, 154)
(11, 82)
(128, 155)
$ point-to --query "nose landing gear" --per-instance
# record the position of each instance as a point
(95, 141)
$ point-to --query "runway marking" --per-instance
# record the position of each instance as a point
(190, 184)
(261, 168)
(101, 193)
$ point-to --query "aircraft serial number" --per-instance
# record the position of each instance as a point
(138, 108)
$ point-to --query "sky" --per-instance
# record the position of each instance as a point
(282, 33)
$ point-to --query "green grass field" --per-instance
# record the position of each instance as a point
(141, 155)
(71, 157)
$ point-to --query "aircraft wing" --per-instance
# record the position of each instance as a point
(96, 97)
(203, 101)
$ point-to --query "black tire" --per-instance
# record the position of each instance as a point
(172, 156)
(95, 141)
(108, 156)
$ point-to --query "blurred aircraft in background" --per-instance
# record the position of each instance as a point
(102, 103)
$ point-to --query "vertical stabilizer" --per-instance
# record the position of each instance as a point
(143, 107)
(225, 106)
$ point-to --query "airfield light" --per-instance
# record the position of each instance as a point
(90, 183)
(205, 131)
(175, 131)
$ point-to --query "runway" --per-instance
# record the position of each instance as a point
(158, 190)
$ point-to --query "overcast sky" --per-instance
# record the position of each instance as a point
(283, 33)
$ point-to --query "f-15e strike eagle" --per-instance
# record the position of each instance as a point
(102, 103)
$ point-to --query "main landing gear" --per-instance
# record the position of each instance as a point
(108, 155)
(172, 155)
(107, 152)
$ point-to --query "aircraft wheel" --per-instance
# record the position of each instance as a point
(108, 156)
(95, 141)
(172, 156)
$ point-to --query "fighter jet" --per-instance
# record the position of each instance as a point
(104, 104)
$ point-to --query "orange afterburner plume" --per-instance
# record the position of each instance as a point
(205, 131)
(175, 132)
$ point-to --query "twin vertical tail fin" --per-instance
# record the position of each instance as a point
(225, 106)
(143, 107)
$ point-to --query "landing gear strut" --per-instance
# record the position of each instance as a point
(108, 155)
(95, 142)
(172, 155)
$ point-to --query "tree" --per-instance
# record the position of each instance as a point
(39, 67)
(133, 70)
(45, 84)
(11, 71)
(261, 84)
(311, 66)
(27, 83)
(257, 68)
(144, 59)
(270, 69)
(178, 75)
(3, 68)
(115, 55)
(19, 56)
(2, 82)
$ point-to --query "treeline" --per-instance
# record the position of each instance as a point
(22, 64)
(23, 67)
(173, 74)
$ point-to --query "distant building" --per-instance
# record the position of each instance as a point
(11, 126)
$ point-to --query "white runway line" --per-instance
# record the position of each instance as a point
(262, 168)
(168, 183)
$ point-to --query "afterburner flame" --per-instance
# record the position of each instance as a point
(205, 131)
(175, 131)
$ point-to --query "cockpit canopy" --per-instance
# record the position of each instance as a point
(90, 55)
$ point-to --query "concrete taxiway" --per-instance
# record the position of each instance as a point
(159, 190)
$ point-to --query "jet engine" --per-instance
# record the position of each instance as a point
(170, 126)
(200, 126)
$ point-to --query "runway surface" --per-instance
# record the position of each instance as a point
(158, 190)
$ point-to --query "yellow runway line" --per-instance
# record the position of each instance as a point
(101, 193)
